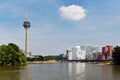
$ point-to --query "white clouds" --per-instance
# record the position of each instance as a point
(72, 12)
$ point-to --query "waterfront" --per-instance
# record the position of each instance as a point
(64, 71)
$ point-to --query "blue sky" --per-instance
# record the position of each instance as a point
(57, 25)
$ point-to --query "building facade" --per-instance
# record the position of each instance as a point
(76, 53)
(107, 51)
(69, 54)
(90, 50)
(82, 52)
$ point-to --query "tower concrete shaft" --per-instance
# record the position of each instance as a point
(26, 25)
(26, 43)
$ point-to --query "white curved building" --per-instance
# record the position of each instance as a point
(82, 54)
(76, 53)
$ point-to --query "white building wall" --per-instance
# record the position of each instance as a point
(89, 56)
(82, 54)
(95, 56)
(76, 52)
(69, 55)
(90, 50)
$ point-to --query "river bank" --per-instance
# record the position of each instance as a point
(43, 62)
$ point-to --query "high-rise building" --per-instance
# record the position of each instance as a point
(26, 25)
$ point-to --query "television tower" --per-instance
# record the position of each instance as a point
(26, 25)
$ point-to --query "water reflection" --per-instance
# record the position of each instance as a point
(27, 72)
(65, 71)
(106, 73)
(82, 71)
(10, 73)
(110, 72)
(69, 67)
(116, 72)
(76, 71)
(14, 73)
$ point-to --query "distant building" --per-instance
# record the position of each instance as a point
(90, 50)
(82, 52)
(107, 51)
(95, 56)
(76, 53)
(69, 54)
(100, 56)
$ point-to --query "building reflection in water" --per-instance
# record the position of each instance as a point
(76, 71)
(27, 72)
(109, 72)
(99, 72)
(69, 67)
(106, 73)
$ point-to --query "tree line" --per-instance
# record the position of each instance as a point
(47, 58)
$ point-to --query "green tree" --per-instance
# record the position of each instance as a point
(11, 54)
(4, 55)
(116, 55)
(48, 57)
(41, 58)
(14, 47)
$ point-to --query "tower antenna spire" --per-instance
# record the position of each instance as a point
(26, 17)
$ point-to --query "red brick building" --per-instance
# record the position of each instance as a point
(100, 56)
(107, 51)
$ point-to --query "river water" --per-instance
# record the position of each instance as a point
(64, 71)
